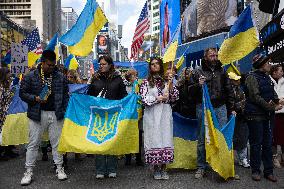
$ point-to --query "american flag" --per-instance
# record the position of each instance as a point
(142, 27)
(33, 42)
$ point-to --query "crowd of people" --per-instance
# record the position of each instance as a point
(256, 99)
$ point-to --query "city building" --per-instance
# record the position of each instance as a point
(10, 32)
(84, 68)
(154, 15)
(68, 18)
(44, 14)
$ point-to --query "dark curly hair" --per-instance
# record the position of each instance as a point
(151, 74)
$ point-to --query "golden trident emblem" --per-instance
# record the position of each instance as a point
(102, 130)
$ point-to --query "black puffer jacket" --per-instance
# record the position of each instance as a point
(31, 86)
(109, 86)
(220, 89)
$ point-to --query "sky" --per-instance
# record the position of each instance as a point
(128, 13)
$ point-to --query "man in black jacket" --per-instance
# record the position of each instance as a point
(45, 90)
(221, 96)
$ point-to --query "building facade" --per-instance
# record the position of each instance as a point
(44, 14)
(11, 32)
(69, 18)
(154, 15)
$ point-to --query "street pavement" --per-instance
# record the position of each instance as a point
(81, 174)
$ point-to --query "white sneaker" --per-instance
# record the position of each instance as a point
(164, 175)
(112, 175)
(157, 175)
(244, 163)
(199, 174)
(61, 174)
(100, 176)
(27, 179)
(276, 162)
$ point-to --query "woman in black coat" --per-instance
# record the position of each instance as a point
(107, 83)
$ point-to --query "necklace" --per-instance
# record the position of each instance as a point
(46, 91)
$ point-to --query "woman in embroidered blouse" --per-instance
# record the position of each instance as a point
(157, 94)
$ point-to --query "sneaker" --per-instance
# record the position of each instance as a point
(112, 175)
(61, 174)
(27, 179)
(157, 175)
(199, 174)
(276, 162)
(164, 175)
(244, 163)
(100, 176)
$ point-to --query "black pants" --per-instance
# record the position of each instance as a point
(260, 139)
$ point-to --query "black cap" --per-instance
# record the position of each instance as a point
(258, 60)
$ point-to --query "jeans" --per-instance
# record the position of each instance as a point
(36, 130)
(260, 139)
(106, 164)
(221, 114)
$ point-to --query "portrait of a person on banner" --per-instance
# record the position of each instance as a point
(102, 44)
(166, 32)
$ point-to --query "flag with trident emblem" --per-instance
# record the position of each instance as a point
(99, 126)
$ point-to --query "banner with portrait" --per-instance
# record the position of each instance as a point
(215, 14)
(169, 21)
(103, 46)
(189, 24)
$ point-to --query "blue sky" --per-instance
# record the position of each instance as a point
(128, 13)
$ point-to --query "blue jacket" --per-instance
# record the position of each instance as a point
(31, 87)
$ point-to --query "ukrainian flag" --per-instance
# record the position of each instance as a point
(99, 126)
(243, 39)
(185, 142)
(7, 58)
(71, 63)
(170, 53)
(218, 140)
(81, 37)
(15, 128)
(232, 68)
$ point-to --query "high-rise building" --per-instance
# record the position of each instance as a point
(154, 14)
(70, 18)
(44, 14)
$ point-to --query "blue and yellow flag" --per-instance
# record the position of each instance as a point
(81, 37)
(99, 126)
(243, 39)
(232, 68)
(71, 63)
(218, 139)
(15, 129)
(7, 58)
(185, 142)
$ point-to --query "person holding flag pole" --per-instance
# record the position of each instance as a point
(157, 95)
